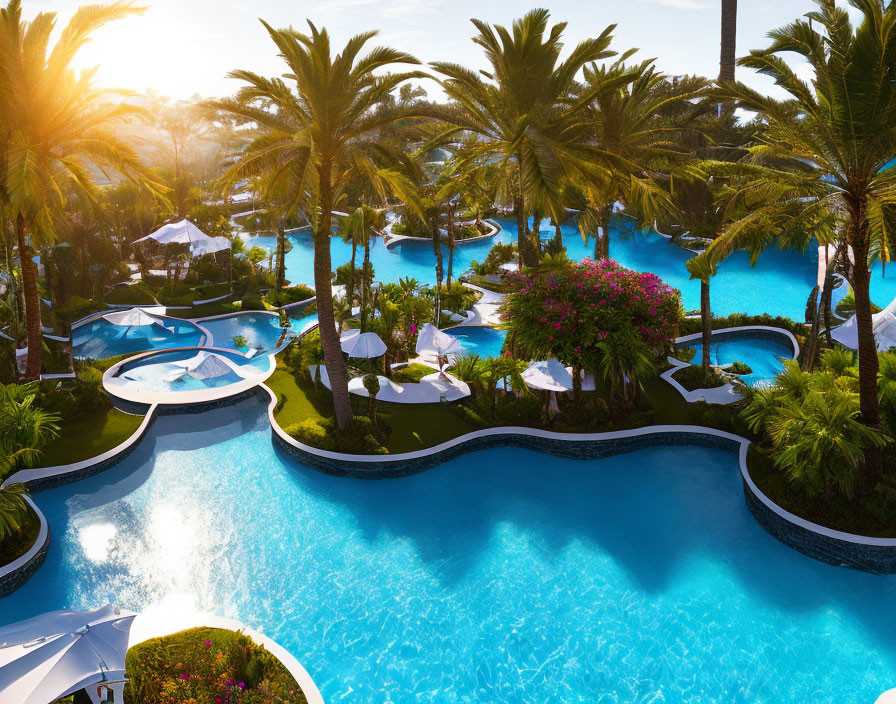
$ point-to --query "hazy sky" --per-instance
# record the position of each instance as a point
(182, 47)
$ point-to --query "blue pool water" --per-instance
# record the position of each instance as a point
(100, 338)
(481, 340)
(158, 372)
(762, 352)
(779, 284)
(503, 576)
(261, 330)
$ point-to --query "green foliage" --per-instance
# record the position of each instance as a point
(499, 254)
(692, 378)
(240, 342)
(810, 423)
(24, 426)
(739, 368)
(411, 374)
(252, 301)
(361, 437)
(289, 294)
(207, 665)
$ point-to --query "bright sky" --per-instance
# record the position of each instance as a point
(183, 47)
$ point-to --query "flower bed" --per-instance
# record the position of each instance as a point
(207, 666)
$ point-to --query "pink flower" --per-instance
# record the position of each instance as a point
(208, 643)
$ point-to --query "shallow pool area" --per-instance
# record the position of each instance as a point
(779, 284)
(260, 331)
(502, 576)
(169, 371)
(479, 339)
(763, 351)
(99, 339)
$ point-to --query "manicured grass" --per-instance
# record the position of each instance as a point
(133, 294)
(18, 544)
(413, 426)
(89, 436)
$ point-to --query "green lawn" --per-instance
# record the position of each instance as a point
(413, 426)
(89, 436)
(19, 543)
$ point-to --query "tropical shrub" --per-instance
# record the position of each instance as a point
(693, 378)
(739, 368)
(810, 424)
(208, 665)
(498, 255)
(361, 437)
(290, 294)
(587, 314)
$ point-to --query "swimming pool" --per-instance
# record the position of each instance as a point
(762, 350)
(779, 284)
(502, 576)
(100, 339)
(161, 372)
(481, 340)
(260, 329)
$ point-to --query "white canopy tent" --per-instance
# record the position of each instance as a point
(53, 655)
(131, 318)
(431, 340)
(883, 324)
(185, 232)
(548, 375)
(367, 345)
(205, 365)
(348, 339)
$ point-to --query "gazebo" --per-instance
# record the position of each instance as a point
(186, 233)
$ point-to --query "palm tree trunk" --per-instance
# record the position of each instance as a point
(329, 339)
(351, 273)
(365, 284)
(522, 220)
(729, 40)
(868, 362)
(558, 234)
(602, 244)
(32, 304)
(437, 250)
(706, 321)
(281, 256)
(450, 244)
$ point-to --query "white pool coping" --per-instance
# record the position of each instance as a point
(727, 393)
(582, 437)
(135, 394)
(146, 627)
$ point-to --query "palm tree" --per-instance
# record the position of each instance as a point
(518, 111)
(315, 133)
(823, 151)
(360, 227)
(624, 364)
(729, 40)
(627, 120)
(56, 128)
(24, 428)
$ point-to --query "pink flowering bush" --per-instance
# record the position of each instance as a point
(207, 666)
(568, 313)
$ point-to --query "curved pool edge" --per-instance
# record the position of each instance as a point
(287, 659)
(864, 553)
(182, 398)
(16, 573)
(727, 393)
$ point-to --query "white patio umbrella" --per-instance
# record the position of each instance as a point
(548, 375)
(883, 324)
(131, 318)
(366, 346)
(205, 365)
(348, 339)
(50, 656)
(185, 232)
(431, 340)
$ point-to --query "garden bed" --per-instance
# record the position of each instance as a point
(206, 665)
(18, 544)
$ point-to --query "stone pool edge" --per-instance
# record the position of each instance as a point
(864, 553)
(14, 574)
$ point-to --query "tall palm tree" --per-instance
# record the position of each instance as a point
(316, 128)
(55, 126)
(729, 40)
(628, 120)
(823, 151)
(360, 227)
(520, 109)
